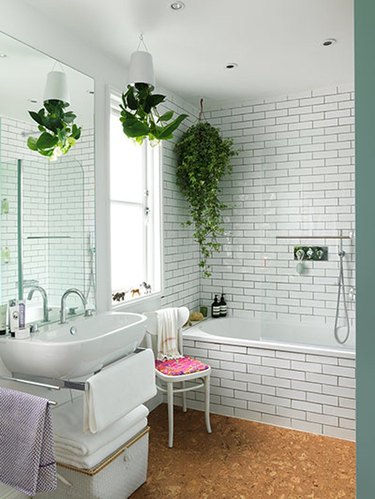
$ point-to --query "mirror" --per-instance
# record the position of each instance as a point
(47, 207)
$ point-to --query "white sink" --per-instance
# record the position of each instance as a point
(54, 352)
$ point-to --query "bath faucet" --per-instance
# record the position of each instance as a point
(72, 291)
(43, 293)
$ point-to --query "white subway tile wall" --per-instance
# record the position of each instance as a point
(181, 255)
(293, 176)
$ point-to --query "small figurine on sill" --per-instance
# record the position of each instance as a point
(135, 292)
(147, 287)
(120, 296)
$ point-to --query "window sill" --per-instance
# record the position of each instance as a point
(144, 303)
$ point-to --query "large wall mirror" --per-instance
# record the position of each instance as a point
(47, 205)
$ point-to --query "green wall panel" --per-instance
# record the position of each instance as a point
(365, 228)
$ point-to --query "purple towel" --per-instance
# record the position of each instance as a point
(27, 454)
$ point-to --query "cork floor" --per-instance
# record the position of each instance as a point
(242, 459)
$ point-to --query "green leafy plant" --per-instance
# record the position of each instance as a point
(58, 132)
(140, 118)
(203, 159)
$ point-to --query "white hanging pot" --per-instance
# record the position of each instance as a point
(57, 87)
(141, 68)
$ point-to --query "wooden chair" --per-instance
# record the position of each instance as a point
(195, 370)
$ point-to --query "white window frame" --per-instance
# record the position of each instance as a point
(153, 201)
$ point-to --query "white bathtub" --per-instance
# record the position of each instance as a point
(290, 375)
(309, 338)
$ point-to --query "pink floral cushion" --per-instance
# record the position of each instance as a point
(178, 367)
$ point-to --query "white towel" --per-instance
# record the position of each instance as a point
(91, 460)
(167, 320)
(27, 457)
(118, 389)
(85, 450)
(71, 440)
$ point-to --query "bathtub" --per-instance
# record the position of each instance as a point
(272, 334)
(290, 375)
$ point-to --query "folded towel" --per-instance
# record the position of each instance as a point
(89, 461)
(27, 454)
(73, 442)
(167, 320)
(118, 389)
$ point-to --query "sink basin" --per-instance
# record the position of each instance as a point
(77, 348)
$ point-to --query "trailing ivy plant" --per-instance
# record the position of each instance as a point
(140, 117)
(58, 132)
(203, 159)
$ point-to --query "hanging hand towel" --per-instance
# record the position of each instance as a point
(118, 389)
(27, 457)
(167, 320)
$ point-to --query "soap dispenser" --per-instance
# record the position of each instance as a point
(215, 308)
(223, 306)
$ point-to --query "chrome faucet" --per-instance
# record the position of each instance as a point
(43, 293)
(72, 291)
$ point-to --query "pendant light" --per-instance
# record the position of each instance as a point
(141, 68)
(57, 86)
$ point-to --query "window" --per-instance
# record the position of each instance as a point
(135, 214)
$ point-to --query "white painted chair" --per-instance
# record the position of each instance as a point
(170, 380)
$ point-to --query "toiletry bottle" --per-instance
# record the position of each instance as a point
(5, 254)
(13, 317)
(223, 306)
(5, 206)
(22, 333)
(3, 318)
(215, 307)
(21, 314)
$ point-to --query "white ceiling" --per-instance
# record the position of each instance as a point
(23, 77)
(276, 43)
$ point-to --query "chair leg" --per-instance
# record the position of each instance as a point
(207, 403)
(170, 413)
(184, 406)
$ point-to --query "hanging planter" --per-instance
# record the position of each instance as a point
(203, 160)
(58, 131)
(141, 119)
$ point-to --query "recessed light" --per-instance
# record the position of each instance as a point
(177, 5)
(33, 101)
(231, 65)
(2, 55)
(329, 42)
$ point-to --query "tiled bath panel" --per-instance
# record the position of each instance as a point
(304, 391)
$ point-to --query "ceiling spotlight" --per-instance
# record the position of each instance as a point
(329, 42)
(177, 5)
(2, 55)
(231, 65)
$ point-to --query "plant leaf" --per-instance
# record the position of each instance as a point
(31, 143)
(132, 126)
(37, 117)
(46, 141)
(168, 130)
(69, 117)
(166, 116)
(131, 101)
(153, 101)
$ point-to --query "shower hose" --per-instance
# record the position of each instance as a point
(341, 286)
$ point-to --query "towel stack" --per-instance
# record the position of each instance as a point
(82, 450)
